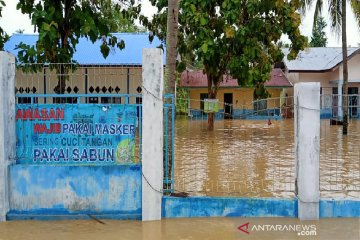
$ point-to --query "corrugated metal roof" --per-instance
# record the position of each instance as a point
(199, 79)
(88, 53)
(317, 59)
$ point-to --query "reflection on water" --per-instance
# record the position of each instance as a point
(173, 229)
(253, 158)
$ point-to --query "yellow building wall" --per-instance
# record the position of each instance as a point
(242, 97)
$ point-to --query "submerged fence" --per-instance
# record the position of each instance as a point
(252, 154)
(248, 154)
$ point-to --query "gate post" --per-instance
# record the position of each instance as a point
(307, 149)
(7, 127)
(152, 133)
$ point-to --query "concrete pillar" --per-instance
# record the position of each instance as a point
(152, 133)
(7, 127)
(307, 148)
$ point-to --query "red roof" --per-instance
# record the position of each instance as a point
(198, 79)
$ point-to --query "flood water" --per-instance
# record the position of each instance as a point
(182, 229)
(252, 158)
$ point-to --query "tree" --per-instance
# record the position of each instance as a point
(337, 11)
(62, 23)
(238, 38)
(319, 38)
(3, 36)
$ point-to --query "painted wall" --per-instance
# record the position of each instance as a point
(332, 208)
(74, 191)
(228, 207)
(328, 79)
(353, 69)
(242, 97)
(323, 78)
(191, 207)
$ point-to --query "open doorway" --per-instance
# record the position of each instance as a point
(228, 105)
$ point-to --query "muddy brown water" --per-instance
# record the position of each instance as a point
(251, 158)
(182, 229)
(240, 158)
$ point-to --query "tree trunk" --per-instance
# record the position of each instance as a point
(171, 43)
(170, 74)
(213, 85)
(211, 116)
(345, 68)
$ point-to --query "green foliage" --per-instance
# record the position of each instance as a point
(3, 36)
(234, 36)
(319, 38)
(182, 102)
(239, 36)
(260, 92)
(62, 23)
(121, 20)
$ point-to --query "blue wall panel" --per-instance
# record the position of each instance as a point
(74, 191)
(333, 208)
(228, 207)
(252, 207)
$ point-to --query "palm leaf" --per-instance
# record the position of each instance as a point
(335, 15)
(318, 11)
(355, 6)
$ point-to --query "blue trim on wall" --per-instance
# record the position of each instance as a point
(47, 214)
(173, 207)
(333, 208)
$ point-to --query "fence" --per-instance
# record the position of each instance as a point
(250, 155)
(253, 153)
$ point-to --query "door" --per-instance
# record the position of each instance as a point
(203, 96)
(228, 102)
(353, 101)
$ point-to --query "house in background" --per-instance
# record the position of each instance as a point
(324, 65)
(119, 73)
(235, 101)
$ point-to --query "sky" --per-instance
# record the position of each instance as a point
(13, 20)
